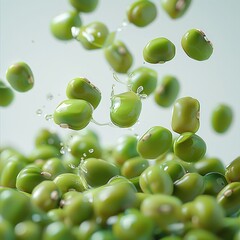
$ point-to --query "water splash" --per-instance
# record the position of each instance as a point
(116, 78)
(103, 124)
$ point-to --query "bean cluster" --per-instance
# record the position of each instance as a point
(151, 187)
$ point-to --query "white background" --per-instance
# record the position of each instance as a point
(25, 36)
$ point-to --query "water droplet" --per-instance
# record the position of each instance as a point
(143, 96)
(49, 96)
(39, 112)
(125, 22)
(113, 90)
(72, 166)
(131, 74)
(139, 89)
(123, 25)
(102, 124)
(81, 159)
(84, 155)
(62, 150)
(91, 150)
(119, 29)
(115, 76)
(137, 136)
(131, 129)
(48, 117)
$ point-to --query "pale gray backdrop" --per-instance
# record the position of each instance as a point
(25, 36)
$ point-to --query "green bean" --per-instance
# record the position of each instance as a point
(85, 6)
(125, 109)
(73, 113)
(189, 147)
(185, 115)
(175, 8)
(155, 142)
(93, 35)
(124, 149)
(143, 78)
(118, 56)
(196, 45)
(155, 180)
(81, 88)
(222, 117)
(20, 77)
(141, 13)
(166, 92)
(159, 50)
(6, 95)
(62, 24)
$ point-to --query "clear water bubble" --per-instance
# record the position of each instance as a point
(143, 96)
(72, 166)
(84, 155)
(131, 74)
(129, 87)
(139, 89)
(91, 150)
(62, 150)
(125, 22)
(48, 117)
(49, 96)
(137, 136)
(100, 124)
(116, 78)
(39, 112)
(113, 91)
(123, 25)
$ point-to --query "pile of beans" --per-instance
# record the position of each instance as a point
(150, 187)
